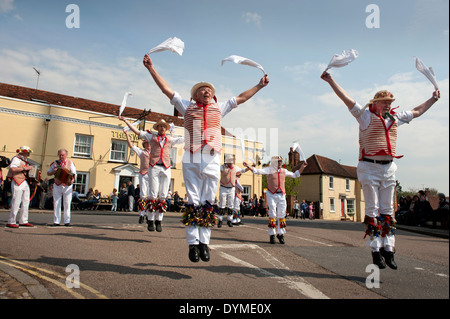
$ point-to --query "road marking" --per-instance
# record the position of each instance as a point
(289, 235)
(292, 281)
(63, 286)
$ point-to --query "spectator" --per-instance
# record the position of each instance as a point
(123, 197)
(296, 209)
(442, 213)
(114, 197)
(424, 209)
(130, 196)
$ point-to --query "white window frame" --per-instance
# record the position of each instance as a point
(123, 152)
(331, 182)
(347, 184)
(350, 206)
(78, 186)
(83, 144)
(332, 205)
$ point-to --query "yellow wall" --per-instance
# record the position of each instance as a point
(48, 128)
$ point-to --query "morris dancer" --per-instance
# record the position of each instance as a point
(237, 201)
(276, 198)
(201, 161)
(376, 169)
(160, 172)
(228, 173)
(19, 187)
(62, 190)
(144, 178)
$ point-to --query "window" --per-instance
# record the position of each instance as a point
(81, 184)
(83, 146)
(118, 151)
(331, 182)
(246, 192)
(350, 206)
(332, 208)
(347, 184)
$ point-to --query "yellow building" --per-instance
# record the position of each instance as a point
(94, 138)
(334, 188)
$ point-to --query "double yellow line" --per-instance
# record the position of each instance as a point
(28, 268)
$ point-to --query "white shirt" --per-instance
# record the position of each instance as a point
(148, 136)
(270, 170)
(364, 120)
(182, 105)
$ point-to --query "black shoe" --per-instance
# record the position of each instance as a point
(272, 239)
(158, 225)
(56, 225)
(219, 224)
(193, 253)
(229, 224)
(67, 224)
(389, 258)
(141, 219)
(378, 259)
(150, 226)
(204, 252)
(281, 239)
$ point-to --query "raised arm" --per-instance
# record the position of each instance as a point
(422, 108)
(130, 145)
(132, 127)
(245, 96)
(340, 92)
(162, 84)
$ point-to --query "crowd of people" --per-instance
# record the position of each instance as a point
(416, 210)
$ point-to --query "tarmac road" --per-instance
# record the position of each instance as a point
(118, 258)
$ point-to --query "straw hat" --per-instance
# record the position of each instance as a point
(24, 149)
(383, 95)
(161, 122)
(202, 84)
(229, 159)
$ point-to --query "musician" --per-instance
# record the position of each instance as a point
(20, 188)
(65, 174)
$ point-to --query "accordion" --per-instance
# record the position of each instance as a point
(64, 175)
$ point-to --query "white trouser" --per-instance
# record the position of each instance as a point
(277, 210)
(155, 215)
(237, 206)
(201, 173)
(226, 197)
(64, 192)
(159, 181)
(196, 235)
(144, 185)
(20, 194)
(378, 184)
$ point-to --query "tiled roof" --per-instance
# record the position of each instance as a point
(322, 165)
(29, 94)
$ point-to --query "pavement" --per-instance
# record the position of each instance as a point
(16, 284)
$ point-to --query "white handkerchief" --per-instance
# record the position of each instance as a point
(126, 128)
(174, 45)
(340, 60)
(124, 102)
(241, 60)
(296, 147)
(428, 72)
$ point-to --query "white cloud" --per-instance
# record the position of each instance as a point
(6, 5)
(252, 18)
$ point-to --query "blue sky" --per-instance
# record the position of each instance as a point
(292, 40)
